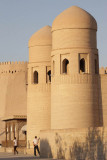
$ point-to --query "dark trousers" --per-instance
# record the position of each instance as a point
(36, 148)
(15, 150)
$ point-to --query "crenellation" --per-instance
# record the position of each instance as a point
(13, 67)
(106, 70)
(19, 62)
(9, 62)
(14, 63)
(25, 62)
(103, 70)
(22, 62)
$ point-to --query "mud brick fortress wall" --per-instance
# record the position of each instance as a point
(61, 89)
(13, 91)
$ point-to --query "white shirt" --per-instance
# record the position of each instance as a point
(15, 142)
(35, 141)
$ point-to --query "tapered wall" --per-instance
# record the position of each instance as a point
(38, 97)
(74, 94)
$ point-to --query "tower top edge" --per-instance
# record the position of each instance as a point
(14, 63)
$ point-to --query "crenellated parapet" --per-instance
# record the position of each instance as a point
(12, 62)
(13, 67)
(103, 70)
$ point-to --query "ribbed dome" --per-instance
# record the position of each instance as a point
(41, 37)
(74, 17)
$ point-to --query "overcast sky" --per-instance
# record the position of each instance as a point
(19, 19)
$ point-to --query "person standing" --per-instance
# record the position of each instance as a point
(35, 144)
(15, 145)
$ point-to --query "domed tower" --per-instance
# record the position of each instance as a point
(75, 70)
(39, 78)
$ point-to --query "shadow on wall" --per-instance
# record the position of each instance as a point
(59, 146)
(45, 149)
(92, 149)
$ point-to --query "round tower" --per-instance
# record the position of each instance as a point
(75, 69)
(39, 78)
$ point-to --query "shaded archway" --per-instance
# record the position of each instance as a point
(35, 77)
(82, 65)
(49, 75)
(65, 67)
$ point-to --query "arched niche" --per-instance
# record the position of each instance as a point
(65, 66)
(49, 76)
(82, 65)
(35, 75)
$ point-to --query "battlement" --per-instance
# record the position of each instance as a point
(13, 67)
(16, 63)
(103, 70)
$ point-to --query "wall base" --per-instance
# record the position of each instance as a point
(86, 143)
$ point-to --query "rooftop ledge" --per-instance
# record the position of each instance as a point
(17, 117)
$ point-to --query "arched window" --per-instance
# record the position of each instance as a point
(65, 65)
(95, 66)
(82, 65)
(49, 75)
(35, 77)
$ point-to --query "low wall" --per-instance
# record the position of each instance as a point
(74, 144)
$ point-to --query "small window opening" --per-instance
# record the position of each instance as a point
(65, 65)
(35, 77)
(82, 65)
(49, 75)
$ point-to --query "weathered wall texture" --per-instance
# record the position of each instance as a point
(13, 95)
(73, 102)
(70, 144)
